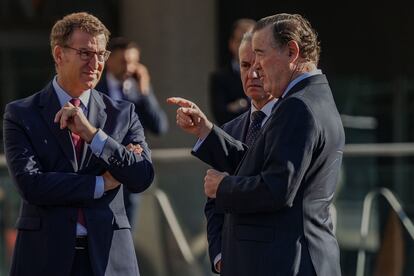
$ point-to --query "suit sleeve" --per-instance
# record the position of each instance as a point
(214, 228)
(36, 185)
(221, 151)
(135, 171)
(289, 142)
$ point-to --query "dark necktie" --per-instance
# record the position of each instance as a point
(78, 144)
(254, 127)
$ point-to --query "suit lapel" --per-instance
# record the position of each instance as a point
(96, 116)
(96, 110)
(238, 128)
(50, 105)
(245, 122)
(316, 79)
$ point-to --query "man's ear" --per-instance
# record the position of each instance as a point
(293, 49)
(57, 54)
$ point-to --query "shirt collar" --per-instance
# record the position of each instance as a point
(266, 109)
(300, 78)
(64, 97)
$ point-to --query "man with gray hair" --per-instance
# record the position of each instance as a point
(276, 203)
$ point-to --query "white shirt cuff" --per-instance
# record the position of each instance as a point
(216, 260)
(98, 142)
(198, 144)
(99, 187)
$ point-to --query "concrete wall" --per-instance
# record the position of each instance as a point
(177, 38)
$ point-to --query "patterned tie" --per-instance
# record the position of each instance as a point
(254, 128)
(78, 144)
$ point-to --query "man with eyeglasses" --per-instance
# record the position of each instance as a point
(68, 149)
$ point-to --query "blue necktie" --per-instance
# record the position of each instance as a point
(254, 128)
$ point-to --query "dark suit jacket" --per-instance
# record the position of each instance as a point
(236, 128)
(276, 205)
(225, 87)
(53, 185)
(150, 114)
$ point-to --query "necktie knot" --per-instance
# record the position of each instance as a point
(254, 127)
(75, 101)
(257, 116)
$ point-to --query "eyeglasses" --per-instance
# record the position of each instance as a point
(86, 55)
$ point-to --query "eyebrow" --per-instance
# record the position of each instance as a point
(90, 50)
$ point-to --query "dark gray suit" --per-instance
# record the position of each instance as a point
(53, 185)
(236, 128)
(276, 205)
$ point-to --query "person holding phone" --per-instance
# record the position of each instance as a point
(126, 78)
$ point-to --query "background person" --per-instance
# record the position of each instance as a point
(227, 98)
(126, 78)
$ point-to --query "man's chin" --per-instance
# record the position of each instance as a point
(253, 92)
(91, 82)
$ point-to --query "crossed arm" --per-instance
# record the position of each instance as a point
(54, 185)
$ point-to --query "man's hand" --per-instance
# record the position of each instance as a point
(218, 266)
(212, 181)
(73, 118)
(190, 118)
(140, 73)
(110, 182)
(137, 149)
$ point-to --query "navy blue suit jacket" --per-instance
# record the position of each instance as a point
(42, 163)
(236, 128)
(276, 205)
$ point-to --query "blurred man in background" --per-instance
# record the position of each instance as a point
(126, 78)
(227, 98)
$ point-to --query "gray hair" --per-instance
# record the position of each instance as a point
(293, 27)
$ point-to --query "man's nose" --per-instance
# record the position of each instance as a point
(94, 61)
(256, 66)
(253, 74)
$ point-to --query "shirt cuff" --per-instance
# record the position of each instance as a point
(99, 187)
(216, 260)
(98, 142)
(198, 144)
